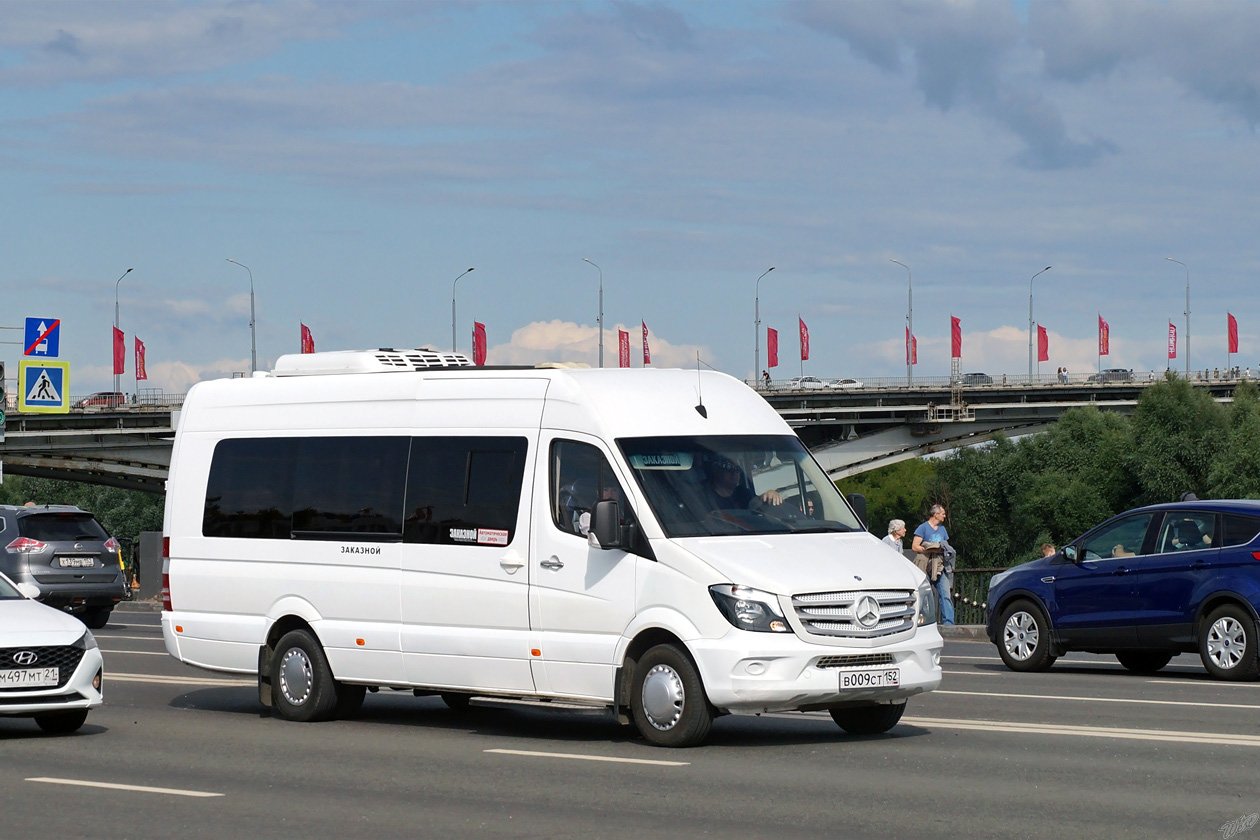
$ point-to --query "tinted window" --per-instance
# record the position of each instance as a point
(348, 485)
(250, 492)
(1240, 530)
(581, 476)
(1187, 531)
(464, 490)
(67, 527)
(1122, 538)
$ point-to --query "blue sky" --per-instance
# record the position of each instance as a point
(359, 156)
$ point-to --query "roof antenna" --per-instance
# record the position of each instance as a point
(700, 409)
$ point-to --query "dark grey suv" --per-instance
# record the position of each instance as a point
(65, 552)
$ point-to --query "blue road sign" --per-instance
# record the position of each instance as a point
(43, 338)
(43, 387)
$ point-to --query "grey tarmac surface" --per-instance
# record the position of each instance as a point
(1084, 750)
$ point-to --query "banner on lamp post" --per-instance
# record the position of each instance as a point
(1043, 344)
(1104, 337)
(1172, 340)
(623, 348)
(120, 351)
(955, 337)
(647, 354)
(308, 340)
(479, 343)
(804, 340)
(141, 373)
(1233, 333)
(772, 347)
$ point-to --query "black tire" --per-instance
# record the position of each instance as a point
(97, 617)
(667, 699)
(1144, 661)
(61, 723)
(1024, 637)
(868, 720)
(349, 700)
(302, 685)
(1227, 644)
(456, 702)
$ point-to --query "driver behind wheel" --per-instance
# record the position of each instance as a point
(727, 489)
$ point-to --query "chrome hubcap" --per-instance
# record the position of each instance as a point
(296, 678)
(1020, 636)
(1226, 643)
(663, 697)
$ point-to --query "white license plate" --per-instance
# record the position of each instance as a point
(29, 677)
(882, 678)
(77, 562)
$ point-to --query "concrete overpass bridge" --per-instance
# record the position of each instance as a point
(849, 430)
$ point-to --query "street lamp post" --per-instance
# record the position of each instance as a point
(757, 327)
(253, 334)
(600, 319)
(909, 321)
(116, 282)
(1030, 322)
(454, 343)
(1187, 313)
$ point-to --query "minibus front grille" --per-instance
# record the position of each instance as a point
(840, 614)
(859, 660)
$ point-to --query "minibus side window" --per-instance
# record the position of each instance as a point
(346, 486)
(464, 490)
(580, 476)
(250, 491)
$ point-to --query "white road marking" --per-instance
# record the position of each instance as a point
(1088, 731)
(161, 680)
(136, 788)
(111, 637)
(136, 652)
(579, 757)
(978, 658)
(1098, 699)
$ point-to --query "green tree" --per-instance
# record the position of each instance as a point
(1177, 429)
(897, 491)
(123, 513)
(1235, 469)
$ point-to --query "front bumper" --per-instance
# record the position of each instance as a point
(78, 693)
(763, 672)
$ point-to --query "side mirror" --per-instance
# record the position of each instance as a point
(1069, 553)
(605, 530)
(858, 501)
(30, 590)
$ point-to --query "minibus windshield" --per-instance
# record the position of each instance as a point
(736, 484)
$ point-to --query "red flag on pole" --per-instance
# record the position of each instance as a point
(308, 340)
(1104, 337)
(955, 332)
(1172, 340)
(647, 354)
(141, 373)
(120, 351)
(772, 347)
(1233, 333)
(804, 340)
(1043, 344)
(912, 348)
(623, 348)
(479, 343)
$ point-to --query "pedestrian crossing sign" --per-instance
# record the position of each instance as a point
(43, 387)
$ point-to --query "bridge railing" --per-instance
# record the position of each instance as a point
(971, 592)
(997, 380)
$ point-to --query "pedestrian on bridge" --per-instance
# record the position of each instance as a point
(935, 556)
(896, 533)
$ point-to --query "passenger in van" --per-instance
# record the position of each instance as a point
(727, 489)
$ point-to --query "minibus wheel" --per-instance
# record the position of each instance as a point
(868, 720)
(667, 699)
(302, 684)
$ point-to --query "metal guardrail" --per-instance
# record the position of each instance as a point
(143, 401)
(998, 380)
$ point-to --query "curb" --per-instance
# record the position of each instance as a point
(964, 632)
(150, 605)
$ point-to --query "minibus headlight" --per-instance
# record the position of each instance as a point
(749, 609)
(929, 608)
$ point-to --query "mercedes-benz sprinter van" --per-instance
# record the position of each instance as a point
(655, 541)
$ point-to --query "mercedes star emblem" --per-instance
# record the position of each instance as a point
(867, 611)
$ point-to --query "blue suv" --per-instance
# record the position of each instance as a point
(1145, 585)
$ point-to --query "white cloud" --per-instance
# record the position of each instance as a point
(566, 341)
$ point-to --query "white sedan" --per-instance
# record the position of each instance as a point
(806, 383)
(50, 666)
(844, 383)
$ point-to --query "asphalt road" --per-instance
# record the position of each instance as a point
(1085, 750)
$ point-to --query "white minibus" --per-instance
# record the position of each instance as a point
(657, 542)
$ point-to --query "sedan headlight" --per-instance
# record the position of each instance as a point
(87, 641)
(929, 608)
(749, 609)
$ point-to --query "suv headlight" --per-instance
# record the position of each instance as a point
(749, 609)
(929, 609)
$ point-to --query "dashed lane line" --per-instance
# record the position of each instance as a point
(162, 680)
(581, 757)
(1098, 699)
(114, 786)
(1087, 731)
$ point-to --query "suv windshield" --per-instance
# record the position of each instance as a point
(54, 527)
(736, 484)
